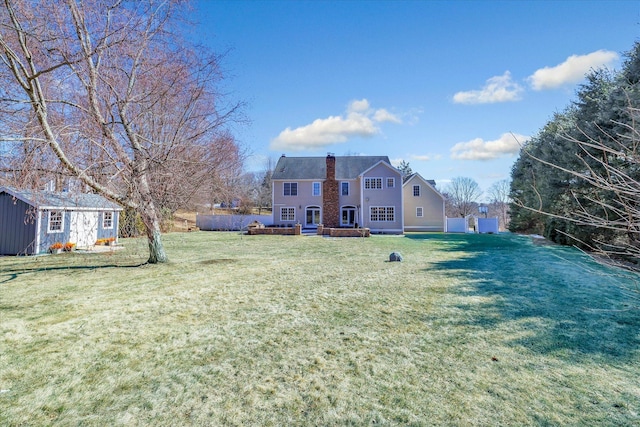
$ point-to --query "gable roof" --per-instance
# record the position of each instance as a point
(347, 167)
(68, 201)
(430, 182)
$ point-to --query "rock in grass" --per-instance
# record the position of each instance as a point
(395, 256)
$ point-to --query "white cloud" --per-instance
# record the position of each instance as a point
(479, 149)
(383, 115)
(572, 70)
(358, 121)
(396, 162)
(496, 89)
(360, 106)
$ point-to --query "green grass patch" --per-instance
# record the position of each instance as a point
(284, 330)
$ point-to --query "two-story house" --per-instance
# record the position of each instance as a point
(338, 191)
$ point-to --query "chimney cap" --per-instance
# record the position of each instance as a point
(330, 154)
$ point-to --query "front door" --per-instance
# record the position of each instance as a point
(348, 216)
(312, 217)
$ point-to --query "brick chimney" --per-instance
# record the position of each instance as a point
(330, 196)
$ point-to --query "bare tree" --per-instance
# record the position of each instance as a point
(499, 200)
(264, 189)
(462, 194)
(113, 91)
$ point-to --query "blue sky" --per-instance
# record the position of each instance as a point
(444, 86)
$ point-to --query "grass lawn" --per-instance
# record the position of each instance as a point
(281, 330)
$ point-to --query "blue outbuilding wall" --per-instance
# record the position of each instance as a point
(18, 222)
(25, 219)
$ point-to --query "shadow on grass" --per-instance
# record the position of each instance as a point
(13, 270)
(561, 301)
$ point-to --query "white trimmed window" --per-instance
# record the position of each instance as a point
(287, 214)
(373, 183)
(419, 212)
(391, 182)
(316, 189)
(55, 222)
(290, 188)
(107, 220)
(416, 191)
(382, 213)
(344, 187)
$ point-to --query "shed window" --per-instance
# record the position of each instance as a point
(56, 222)
(107, 220)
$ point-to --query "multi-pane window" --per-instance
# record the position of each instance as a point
(345, 188)
(107, 220)
(287, 214)
(373, 183)
(419, 212)
(290, 188)
(382, 213)
(391, 182)
(316, 189)
(416, 190)
(56, 222)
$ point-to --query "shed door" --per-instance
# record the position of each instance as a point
(84, 228)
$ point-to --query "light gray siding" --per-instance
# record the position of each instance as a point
(46, 238)
(384, 197)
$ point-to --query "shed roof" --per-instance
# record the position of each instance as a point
(68, 201)
(347, 167)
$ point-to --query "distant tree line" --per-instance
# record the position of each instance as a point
(577, 182)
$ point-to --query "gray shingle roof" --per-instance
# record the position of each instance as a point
(48, 199)
(347, 167)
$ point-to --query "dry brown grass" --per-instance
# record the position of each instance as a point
(279, 330)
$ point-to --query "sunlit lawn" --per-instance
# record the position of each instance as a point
(266, 330)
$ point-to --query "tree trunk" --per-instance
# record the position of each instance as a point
(152, 229)
(156, 249)
(149, 215)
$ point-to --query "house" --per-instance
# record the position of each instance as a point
(338, 191)
(423, 205)
(31, 221)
